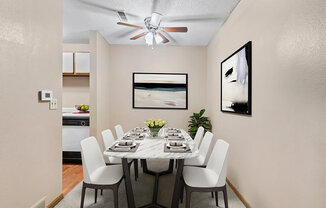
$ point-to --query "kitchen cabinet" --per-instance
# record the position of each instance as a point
(82, 61)
(76, 63)
(68, 63)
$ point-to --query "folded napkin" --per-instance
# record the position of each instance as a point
(122, 149)
(175, 144)
(125, 143)
(176, 138)
(177, 150)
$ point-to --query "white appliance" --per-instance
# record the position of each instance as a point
(75, 127)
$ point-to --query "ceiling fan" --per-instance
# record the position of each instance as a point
(153, 30)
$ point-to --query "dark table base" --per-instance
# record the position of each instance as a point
(157, 175)
(175, 196)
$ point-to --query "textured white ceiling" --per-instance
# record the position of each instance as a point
(202, 17)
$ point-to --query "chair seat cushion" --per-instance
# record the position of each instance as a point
(195, 161)
(107, 175)
(199, 177)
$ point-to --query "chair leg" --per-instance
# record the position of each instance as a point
(176, 164)
(182, 186)
(82, 196)
(95, 196)
(216, 198)
(212, 194)
(101, 192)
(136, 169)
(188, 197)
(115, 196)
(225, 196)
(141, 163)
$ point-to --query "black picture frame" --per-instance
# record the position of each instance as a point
(134, 85)
(248, 54)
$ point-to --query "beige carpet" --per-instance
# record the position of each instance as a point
(143, 193)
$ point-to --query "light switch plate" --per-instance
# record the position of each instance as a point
(53, 104)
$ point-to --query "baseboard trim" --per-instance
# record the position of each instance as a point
(238, 194)
(55, 201)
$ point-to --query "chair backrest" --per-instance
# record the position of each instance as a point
(119, 131)
(108, 138)
(218, 161)
(205, 144)
(199, 136)
(91, 157)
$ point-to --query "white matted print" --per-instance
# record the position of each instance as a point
(160, 90)
(236, 81)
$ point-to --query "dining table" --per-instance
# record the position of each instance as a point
(152, 148)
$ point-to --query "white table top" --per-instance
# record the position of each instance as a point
(153, 148)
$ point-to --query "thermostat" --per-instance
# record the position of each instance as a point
(46, 95)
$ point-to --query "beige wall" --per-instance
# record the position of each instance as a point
(99, 84)
(128, 59)
(30, 133)
(75, 91)
(277, 155)
(103, 85)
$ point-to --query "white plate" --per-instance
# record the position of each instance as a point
(183, 146)
(118, 145)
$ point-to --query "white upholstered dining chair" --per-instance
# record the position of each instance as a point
(97, 175)
(199, 136)
(201, 159)
(209, 179)
(108, 140)
(119, 131)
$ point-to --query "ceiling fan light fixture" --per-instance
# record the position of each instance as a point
(149, 38)
(158, 39)
(155, 19)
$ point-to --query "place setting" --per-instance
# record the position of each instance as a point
(124, 146)
(135, 136)
(176, 146)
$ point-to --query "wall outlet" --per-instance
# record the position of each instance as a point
(53, 104)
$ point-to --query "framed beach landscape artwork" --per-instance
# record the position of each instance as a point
(160, 90)
(236, 81)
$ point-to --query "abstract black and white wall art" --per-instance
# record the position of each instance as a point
(236, 81)
(160, 90)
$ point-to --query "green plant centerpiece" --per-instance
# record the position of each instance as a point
(154, 126)
(197, 120)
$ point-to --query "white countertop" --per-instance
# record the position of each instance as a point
(153, 148)
(73, 112)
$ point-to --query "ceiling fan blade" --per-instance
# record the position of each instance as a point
(175, 29)
(129, 25)
(138, 36)
(165, 40)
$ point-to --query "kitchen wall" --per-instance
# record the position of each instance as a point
(30, 133)
(124, 60)
(277, 155)
(75, 91)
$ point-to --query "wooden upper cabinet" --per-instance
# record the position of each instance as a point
(68, 63)
(76, 64)
(82, 61)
